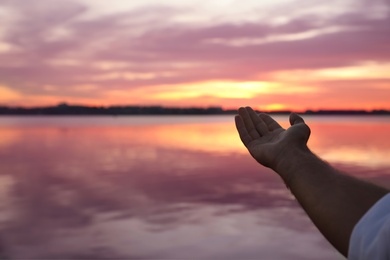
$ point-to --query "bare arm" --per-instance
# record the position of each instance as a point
(335, 202)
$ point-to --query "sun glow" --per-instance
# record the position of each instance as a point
(274, 107)
(8, 94)
(219, 89)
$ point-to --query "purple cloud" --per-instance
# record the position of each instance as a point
(53, 44)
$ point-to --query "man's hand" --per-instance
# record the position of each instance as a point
(267, 141)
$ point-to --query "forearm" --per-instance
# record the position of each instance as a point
(334, 201)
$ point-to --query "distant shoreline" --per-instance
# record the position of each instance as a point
(64, 109)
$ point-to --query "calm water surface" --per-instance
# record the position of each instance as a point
(164, 187)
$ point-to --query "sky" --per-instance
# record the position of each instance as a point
(269, 54)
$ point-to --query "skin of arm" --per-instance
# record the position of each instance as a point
(335, 202)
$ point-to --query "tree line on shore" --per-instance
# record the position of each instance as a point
(65, 109)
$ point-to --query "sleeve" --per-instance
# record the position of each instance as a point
(370, 238)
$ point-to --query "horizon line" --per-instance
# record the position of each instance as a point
(64, 108)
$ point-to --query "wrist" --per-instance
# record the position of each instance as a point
(292, 160)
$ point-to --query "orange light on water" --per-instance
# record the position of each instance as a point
(341, 140)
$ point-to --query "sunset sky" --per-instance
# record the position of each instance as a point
(270, 54)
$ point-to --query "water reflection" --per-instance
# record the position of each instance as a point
(159, 190)
(353, 142)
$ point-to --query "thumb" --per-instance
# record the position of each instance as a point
(295, 119)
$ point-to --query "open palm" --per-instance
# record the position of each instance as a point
(266, 140)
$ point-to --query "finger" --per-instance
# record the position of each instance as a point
(250, 127)
(259, 124)
(244, 135)
(295, 119)
(270, 122)
(304, 128)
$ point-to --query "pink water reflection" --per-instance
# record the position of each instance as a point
(107, 189)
